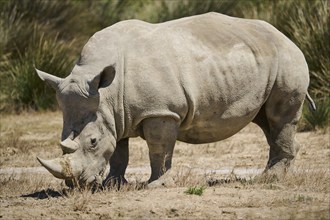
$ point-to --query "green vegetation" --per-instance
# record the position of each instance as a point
(195, 190)
(321, 117)
(50, 34)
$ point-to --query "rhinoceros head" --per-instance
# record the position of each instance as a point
(88, 139)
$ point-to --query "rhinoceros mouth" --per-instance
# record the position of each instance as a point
(85, 180)
(94, 180)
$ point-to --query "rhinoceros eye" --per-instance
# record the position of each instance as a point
(93, 142)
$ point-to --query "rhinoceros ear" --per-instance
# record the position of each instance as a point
(102, 80)
(51, 80)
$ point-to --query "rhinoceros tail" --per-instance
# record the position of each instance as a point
(312, 105)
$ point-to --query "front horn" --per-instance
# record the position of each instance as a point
(59, 167)
(53, 81)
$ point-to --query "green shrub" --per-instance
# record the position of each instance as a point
(21, 87)
(308, 27)
(306, 23)
(195, 190)
(321, 117)
(31, 38)
(168, 10)
(48, 35)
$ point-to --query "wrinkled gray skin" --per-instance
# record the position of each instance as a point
(199, 79)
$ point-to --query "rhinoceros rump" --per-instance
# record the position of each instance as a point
(198, 79)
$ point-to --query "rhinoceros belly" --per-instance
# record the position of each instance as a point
(215, 128)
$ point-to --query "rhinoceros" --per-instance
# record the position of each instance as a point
(197, 79)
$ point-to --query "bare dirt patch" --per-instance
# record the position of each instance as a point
(302, 194)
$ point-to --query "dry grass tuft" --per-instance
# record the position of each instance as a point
(80, 199)
(186, 177)
(13, 143)
(302, 179)
(24, 136)
(29, 185)
(308, 180)
(135, 185)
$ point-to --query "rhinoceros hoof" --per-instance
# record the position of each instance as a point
(162, 182)
(275, 173)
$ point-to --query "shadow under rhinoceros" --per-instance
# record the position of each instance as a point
(44, 194)
(234, 179)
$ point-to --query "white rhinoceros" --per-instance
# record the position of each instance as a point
(198, 79)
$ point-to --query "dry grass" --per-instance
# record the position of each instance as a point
(295, 197)
(27, 184)
(24, 136)
(301, 194)
(308, 181)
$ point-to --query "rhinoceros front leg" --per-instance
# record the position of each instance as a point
(118, 164)
(160, 134)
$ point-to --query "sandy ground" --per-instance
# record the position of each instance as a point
(32, 193)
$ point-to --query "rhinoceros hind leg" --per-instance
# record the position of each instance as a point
(118, 165)
(160, 135)
(278, 119)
